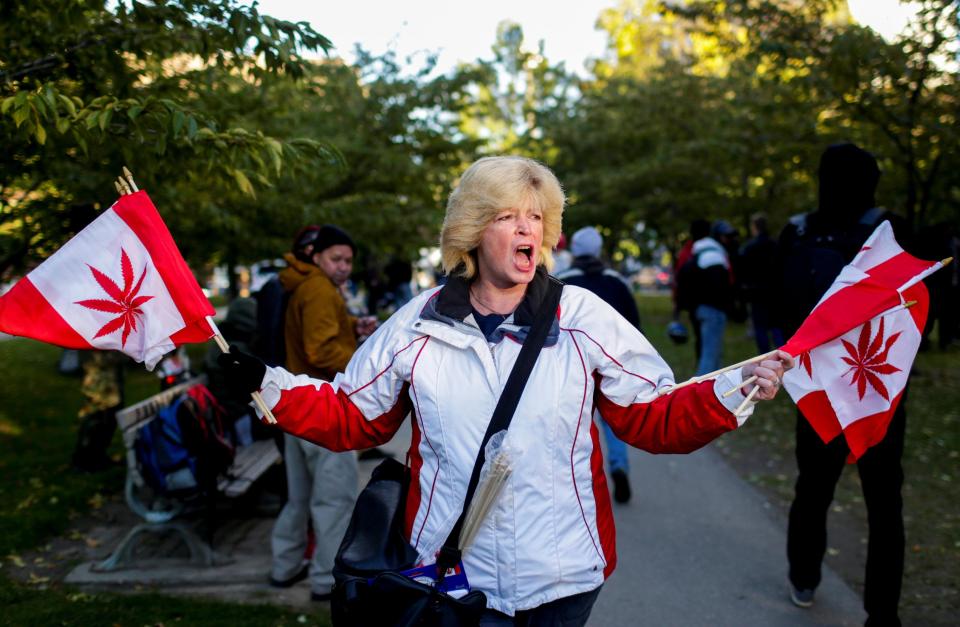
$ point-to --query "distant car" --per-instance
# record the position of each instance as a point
(652, 278)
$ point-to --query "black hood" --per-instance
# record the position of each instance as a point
(454, 298)
(848, 181)
(588, 264)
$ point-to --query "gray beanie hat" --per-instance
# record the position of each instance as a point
(586, 242)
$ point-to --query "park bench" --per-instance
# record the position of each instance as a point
(159, 512)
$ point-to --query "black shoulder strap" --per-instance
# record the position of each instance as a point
(503, 414)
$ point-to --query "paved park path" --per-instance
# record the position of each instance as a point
(699, 546)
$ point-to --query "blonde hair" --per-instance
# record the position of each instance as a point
(489, 186)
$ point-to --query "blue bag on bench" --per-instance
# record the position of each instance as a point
(183, 450)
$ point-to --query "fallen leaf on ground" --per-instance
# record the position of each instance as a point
(34, 579)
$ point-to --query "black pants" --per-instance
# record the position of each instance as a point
(881, 476)
(572, 611)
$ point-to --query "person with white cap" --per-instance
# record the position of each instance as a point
(588, 271)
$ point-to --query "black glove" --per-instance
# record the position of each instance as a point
(244, 372)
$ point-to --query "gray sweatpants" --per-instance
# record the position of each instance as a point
(321, 485)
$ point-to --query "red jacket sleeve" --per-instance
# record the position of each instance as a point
(331, 420)
(679, 422)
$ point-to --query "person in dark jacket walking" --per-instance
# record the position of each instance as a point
(814, 248)
(760, 281)
(588, 271)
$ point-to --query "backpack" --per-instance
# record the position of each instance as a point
(184, 449)
(812, 260)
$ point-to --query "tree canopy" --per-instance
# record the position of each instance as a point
(242, 131)
(87, 86)
(720, 109)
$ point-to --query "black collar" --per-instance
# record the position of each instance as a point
(454, 298)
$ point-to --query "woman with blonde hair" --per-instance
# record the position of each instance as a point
(548, 543)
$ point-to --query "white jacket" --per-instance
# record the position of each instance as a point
(551, 533)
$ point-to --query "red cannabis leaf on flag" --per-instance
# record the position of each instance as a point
(124, 302)
(866, 361)
(880, 289)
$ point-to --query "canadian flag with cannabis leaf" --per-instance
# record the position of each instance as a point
(855, 349)
(119, 284)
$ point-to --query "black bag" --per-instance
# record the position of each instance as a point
(369, 590)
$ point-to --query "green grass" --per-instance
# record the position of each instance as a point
(40, 497)
(23, 606)
(762, 450)
(38, 417)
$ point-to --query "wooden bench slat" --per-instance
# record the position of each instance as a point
(250, 463)
(133, 417)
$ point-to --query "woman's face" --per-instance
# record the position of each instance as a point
(510, 247)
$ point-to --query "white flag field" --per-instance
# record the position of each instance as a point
(120, 284)
(856, 348)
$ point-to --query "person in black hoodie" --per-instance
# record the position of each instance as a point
(588, 271)
(814, 248)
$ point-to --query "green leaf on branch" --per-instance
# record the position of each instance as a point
(242, 182)
(68, 105)
(104, 119)
(178, 120)
(20, 115)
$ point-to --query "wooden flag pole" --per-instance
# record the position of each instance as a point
(716, 373)
(746, 382)
(129, 177)
(749, 398)
(257, 399)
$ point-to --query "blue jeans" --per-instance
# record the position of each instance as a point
(763, 328)
(711, 322)
(572, 611)
(616, 449)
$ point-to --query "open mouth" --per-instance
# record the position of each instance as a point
(524, 256)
